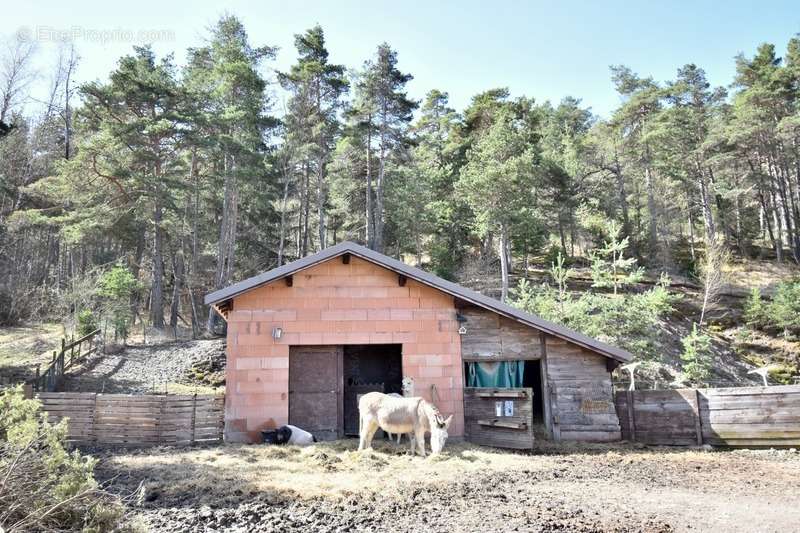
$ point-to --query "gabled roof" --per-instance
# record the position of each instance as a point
(426, 278)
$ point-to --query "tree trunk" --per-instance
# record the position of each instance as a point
(370, 229)
(177, 288)
(705, 204)
(306, 210)
(504, 261)
(622, 195)
(379, 188)
(227, 233)
(157, 289)
(282, 241)
(652, 229)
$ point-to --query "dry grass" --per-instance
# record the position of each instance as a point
(333, 469)
(744, 274)
(338, 470)
(23, 347)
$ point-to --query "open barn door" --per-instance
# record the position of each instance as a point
(500, 417)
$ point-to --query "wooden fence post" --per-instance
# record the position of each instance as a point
(631, 417)
(698, 423)
(94, 420)
(160, 420)
(194, 416)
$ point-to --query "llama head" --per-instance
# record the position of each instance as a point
(408, 386)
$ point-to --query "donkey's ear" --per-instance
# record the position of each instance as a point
(447, 421)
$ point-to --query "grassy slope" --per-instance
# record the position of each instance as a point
(24, 347)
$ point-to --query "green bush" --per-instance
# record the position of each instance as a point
(626, 320)
(782, 313)
(784, 374)
(45, 487)
(784, 310)
(696, 356)
(755, 312)
(116, 288)
(87, 322)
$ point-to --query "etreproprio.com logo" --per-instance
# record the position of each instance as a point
(92, 35)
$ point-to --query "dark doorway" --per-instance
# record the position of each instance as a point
(315, 390)
(532, 377)
(368, 368)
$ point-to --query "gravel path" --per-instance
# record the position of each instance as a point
(138, 369)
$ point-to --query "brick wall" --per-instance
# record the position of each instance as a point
(336, 303)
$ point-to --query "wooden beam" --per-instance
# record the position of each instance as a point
(499, 357)
(503, 424)
(549, 398)
(698, 423)
(401, 280)
(631, 415)
(289, 281)
(346, 259)
(503, 394)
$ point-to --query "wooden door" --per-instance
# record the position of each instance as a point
(502, 418)
(315, 390)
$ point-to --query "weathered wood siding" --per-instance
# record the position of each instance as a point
(741, 416)
(483, 426)
(581, 395)
(658, 416)
(492, 336)
(141, 420)
(581, 399)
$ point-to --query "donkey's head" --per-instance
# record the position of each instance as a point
(439, 427)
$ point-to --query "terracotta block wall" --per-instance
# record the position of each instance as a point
(330, 304)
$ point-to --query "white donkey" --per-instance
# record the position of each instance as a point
(408, 391)
(402, 415)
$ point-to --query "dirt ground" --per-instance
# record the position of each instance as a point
(332, 487)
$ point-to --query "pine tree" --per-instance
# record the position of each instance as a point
(312, 122)
(382, 112)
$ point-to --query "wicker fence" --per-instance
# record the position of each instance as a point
(741, 416)
(141, 420)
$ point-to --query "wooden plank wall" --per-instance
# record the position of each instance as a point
(483, 426)
(141, 420)
(581, 395)
(741, 416)
(491, 336)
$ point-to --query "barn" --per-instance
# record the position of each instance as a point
(306, 339)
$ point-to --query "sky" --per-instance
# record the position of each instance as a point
(544, 50)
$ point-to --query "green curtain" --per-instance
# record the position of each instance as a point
(499, 374)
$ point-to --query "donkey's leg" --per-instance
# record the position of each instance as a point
(412, 443)
(363, 429)
(419, 436)
(371, 428)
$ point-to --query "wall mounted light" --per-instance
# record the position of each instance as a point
(277, 333)
(462, 324)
